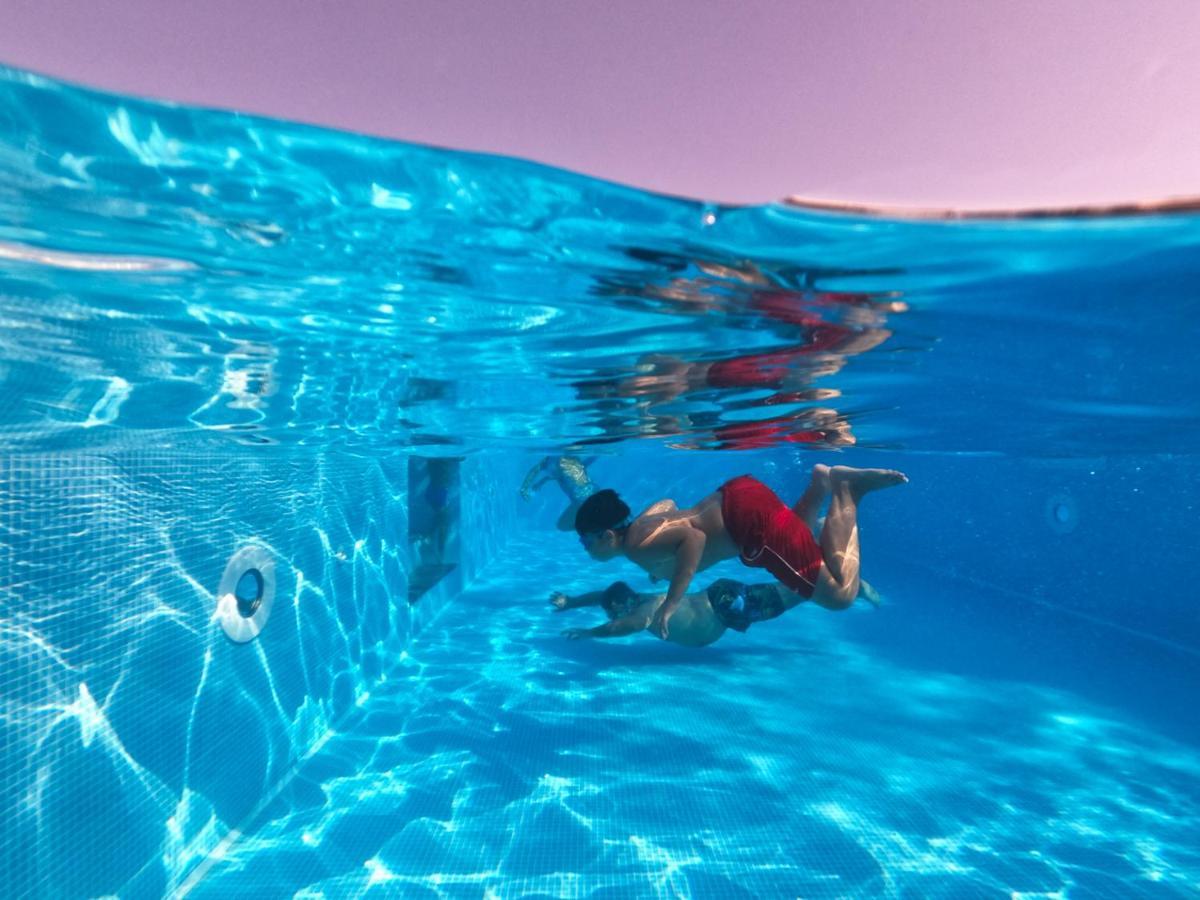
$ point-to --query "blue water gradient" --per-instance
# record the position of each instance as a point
(220, 331)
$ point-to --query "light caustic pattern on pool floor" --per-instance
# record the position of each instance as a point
(504, 761)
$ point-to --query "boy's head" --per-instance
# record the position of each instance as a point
(601, 523)
(618, 599)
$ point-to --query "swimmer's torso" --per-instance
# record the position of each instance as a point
(660, 561)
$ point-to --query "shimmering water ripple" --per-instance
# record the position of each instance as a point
(503, 761)
(134, 734)
(168, 273)
(134, 737)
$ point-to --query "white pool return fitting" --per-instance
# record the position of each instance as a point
(245, 593)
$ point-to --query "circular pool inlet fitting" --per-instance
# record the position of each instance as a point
(1062, 513)
(245, 594)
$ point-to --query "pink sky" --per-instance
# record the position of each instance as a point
(960, 102)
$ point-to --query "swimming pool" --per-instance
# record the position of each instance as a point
(274, 608)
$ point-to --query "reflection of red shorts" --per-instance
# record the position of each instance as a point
(799, 308)
(758, 370)
(769, 534)
(769, 369)
(791, 307)
(765, 433)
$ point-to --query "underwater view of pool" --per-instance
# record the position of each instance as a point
(294, 425)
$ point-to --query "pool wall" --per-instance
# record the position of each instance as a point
(135, 735)
(136, 739)
(1059, 572)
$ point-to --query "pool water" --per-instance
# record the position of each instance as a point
(273, 609)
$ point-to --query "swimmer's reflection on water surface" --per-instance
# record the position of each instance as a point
(817, 333)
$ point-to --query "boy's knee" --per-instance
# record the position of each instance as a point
(837, 599)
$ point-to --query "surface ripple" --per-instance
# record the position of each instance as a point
(184, 276)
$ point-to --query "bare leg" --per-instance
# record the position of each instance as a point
(808, 507)
(529, 485)
(838, 583)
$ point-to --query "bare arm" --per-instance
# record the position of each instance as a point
(622, 627)
(561, 601)
(687, 543)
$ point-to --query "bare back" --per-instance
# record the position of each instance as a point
(694, 623)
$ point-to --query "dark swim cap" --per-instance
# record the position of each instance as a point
(617, 599)
(600, 512)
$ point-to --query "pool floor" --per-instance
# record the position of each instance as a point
(502, 760)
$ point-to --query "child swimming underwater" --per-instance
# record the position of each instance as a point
(745, 519)
(701, 619)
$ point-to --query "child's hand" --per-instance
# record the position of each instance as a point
(661, 618)
(559, 601)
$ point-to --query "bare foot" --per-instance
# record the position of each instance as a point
(863, 481)
(869, 594)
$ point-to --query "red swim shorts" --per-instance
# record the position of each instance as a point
(770, 535)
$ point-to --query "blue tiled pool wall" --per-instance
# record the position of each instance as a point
(1062, 572)
(963, 740)
(134, 734)
(1096, 537)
